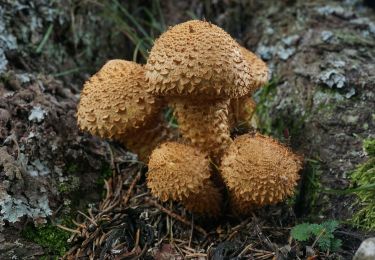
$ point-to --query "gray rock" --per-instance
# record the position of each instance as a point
(265, 52)
(332, 78)
(37, 114)
(366, 250)
(285, 53)
(326, 35)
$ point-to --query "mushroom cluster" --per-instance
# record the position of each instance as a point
(207, 78)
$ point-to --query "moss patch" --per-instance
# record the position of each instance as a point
(364, 187)
(369, 146)
(310, 189)
(50, 237)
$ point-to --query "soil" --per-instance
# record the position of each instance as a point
(320, 101)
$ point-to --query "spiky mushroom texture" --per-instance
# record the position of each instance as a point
(115, 105)
(198, 67)
(181, 173)
(242, 109)
(259, 171)
(259, 69)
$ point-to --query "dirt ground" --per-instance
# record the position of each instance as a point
(320, 101)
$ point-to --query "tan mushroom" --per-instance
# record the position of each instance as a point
(259, 69)
(241, 110)
(115, 105)
(198, 67)
(181, 173)
(259, 171)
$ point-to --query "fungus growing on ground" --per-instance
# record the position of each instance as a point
(202, 73)
(198, 67)
(182, 173)
(115, 105)
(259, 171)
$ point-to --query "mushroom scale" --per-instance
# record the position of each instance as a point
(182, 173)
(114, 104)
(259, 171)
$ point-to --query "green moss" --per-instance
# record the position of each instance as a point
(50, 237)
(364, 187)
(353, 39)
(72, 168)
(369, 146)
(310, 189)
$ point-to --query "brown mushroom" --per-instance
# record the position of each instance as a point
(259, 171)
(115, 105)
(181, 173)
(259, 69)
(198, 67)
(241, 110)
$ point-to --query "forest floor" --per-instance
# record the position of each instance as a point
(64, 192)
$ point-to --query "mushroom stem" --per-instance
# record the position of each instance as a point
(204, 124)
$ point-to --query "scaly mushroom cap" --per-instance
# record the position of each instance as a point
(196, 59)
(114, 100)
(259, 171)
(258, 68)
(182, 173)
(241, 111)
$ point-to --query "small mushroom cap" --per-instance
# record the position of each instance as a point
(199, 59)
(259, 171)
(258, 68)
(114, 100)
(182, 173)
(176, 170)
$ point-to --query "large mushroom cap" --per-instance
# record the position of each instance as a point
(198, 58)
(259, 171)
(182, 173)
(114, 100)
